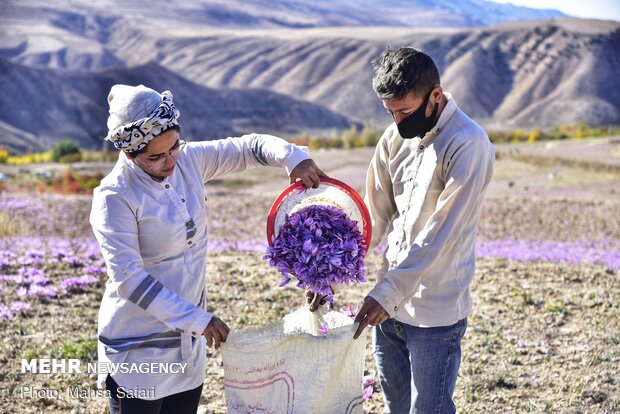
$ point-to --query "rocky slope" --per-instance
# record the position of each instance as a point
(277, 70)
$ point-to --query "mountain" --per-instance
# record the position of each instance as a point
(94, 18)
(78, 34)
(274, 66)
(528, 75)
(52, 104)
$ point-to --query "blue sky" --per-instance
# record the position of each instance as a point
(598, 9)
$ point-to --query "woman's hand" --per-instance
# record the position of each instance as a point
(216, 332)
(315, 300)
(308, 172)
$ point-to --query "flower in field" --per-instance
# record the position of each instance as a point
(94, 270)
(77, 283)
(28, 261)
(61, 252)
(71, 260)
(368, 384)
(369, 380)
(5, 262)
(323, 329)
(19, 306)
(36, 290)
(320, 246)
(31, 275)
(350, 310)
(48, 290)
(5, 312)
(92, 250)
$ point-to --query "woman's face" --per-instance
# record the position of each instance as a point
(161, 155)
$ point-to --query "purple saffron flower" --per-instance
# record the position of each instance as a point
(94, 270)
(5, 312)
(19, 306)
(71, 260)
(368, 391)
(568, 252)
(323, 329)
(77, 283)
(320, 246)
(36, 290)
(369, 380)
(31, 275)
(350, 310)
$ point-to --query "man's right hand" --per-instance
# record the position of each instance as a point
(371, 314)
(216, 332)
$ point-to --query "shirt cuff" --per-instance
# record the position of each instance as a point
(199, 325)
(298, 155)
(388, 297)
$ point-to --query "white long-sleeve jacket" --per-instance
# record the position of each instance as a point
(153, 237)
(427, 193)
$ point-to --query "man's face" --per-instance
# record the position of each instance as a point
(161, 155)
(402, 108)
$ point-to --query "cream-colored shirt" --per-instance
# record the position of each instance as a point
(427, 193)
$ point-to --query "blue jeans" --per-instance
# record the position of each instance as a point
(418, 366)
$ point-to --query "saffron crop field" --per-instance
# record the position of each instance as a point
(544, 334)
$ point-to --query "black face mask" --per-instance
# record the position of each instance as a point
(417, 124)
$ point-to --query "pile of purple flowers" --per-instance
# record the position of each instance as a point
(320, 246)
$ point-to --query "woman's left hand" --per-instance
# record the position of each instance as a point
(308, 172)
(216, 332)
(315, 300)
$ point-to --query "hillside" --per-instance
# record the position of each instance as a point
(52, 104)
(276, 72)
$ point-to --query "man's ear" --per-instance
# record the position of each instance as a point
(437, 94)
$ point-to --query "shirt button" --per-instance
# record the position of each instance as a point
(194, 333)
(395, 308)
(167, 186)
(183, 200)
(421, 147)
(189, 242)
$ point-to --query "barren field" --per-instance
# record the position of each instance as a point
(544, 335)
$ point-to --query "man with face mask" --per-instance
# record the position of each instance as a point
(425, 187)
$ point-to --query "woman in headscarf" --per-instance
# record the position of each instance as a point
(149, 216)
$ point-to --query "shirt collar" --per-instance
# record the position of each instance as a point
(446, 114)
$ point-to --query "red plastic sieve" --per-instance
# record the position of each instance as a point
(331, 192)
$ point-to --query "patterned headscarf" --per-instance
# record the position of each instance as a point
(137, 115)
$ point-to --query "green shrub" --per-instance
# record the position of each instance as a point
(75, 157)
(65, 148)
(83, 349)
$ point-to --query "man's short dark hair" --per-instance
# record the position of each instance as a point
(404, 70)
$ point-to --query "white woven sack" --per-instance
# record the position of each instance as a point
(288, 367)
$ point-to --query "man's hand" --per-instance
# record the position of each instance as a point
(216, 332)
(308, 172)
(372, 313)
